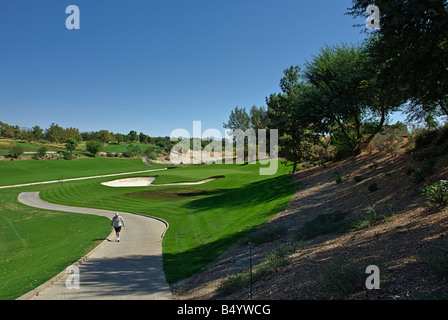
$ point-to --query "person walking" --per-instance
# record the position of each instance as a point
(117, 223)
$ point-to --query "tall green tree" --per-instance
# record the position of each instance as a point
(344, 91)
(296, 138)
(238, 119)
(412, 47)
(71, 144)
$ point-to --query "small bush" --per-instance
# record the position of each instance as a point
(127, 154)
(15, 152)
(357, 178)
(338, 178)
(437, 193)
(345, 280)
(66, 155)
(333, 222)
(373, 187)
(427, 169)
(42, 152)
(267, 235)
(153, 156)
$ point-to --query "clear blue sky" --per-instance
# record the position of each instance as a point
(155, 66)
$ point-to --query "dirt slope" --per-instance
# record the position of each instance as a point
(403, 235)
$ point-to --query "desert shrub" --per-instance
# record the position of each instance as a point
(127, 154)
(153, 156)
(437, 193)
(373, 187)
(267, 235)
(357, 178)
(333, 222)
(345, 280)
(15, 152)
(134, 149)
(424, 138)
(338, 178)
(42, 151)
(422, 173)
(66, 155)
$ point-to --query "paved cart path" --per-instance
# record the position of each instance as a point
(125, 270)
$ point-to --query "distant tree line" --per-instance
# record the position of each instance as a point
(57, 134)
(344, 96)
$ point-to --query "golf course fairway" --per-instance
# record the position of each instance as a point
(205, 219)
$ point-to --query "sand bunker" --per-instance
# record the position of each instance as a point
(147, 181)
(130, 182)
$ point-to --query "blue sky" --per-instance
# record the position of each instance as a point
(155, 66)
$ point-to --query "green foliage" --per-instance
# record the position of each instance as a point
(42, 151)
(94, 147)
(422, 173)
(437, 193)
(134, 149)
(15, 152)
(411, 47)
(71, 145)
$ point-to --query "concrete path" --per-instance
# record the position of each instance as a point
(131, 269)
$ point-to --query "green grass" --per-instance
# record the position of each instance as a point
(6, 145)
(204, 219)
(18, 172)
(204, 222)
(35, 245)
(123, 147)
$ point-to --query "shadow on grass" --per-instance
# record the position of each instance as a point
(254, 193)
(275, 191)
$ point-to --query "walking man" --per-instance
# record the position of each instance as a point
(117, 223)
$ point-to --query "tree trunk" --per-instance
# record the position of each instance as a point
(294, 168)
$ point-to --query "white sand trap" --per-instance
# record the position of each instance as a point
(130, 182)
(147, 181)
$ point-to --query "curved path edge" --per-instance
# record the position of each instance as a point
(107, 271)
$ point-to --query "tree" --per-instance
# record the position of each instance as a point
(6, 130)
(258, 118)
(143, 138)
(104, 136)
(70, 145)
(296, 139)
(37, 133)
(239, 119)
(120, 137)
(94, 147)
(55, 133)
(344, 91)
(412, 47)
(133, 136)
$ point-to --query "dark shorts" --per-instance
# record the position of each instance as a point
(117, 229)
